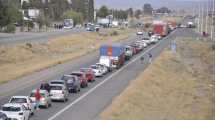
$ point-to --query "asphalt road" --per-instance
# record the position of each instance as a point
(35, 37)
(88, 104)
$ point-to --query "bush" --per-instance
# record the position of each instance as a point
(213, 47)
(114, 33)
(10, 28)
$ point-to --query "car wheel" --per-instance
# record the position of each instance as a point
(76, 90)
(32, 113)
(47, 106)
(50, 104)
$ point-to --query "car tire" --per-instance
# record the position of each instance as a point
(47, 106)
(32, 113)
(76, 90)
(50, 104)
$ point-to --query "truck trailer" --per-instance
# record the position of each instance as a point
(160, 28)
(113, 56)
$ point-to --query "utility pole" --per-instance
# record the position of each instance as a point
(199, 17)
(206, 21)
(202, 29)
(212, 16)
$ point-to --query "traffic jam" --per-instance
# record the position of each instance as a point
(112, 57)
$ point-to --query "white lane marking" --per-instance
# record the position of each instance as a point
(101, 83)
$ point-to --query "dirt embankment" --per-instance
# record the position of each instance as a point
(22, 59)
(177, 86)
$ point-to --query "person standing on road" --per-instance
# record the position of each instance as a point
(37, 98)
(142, 59)
(150, 58)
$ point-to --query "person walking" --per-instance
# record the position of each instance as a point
(142, 59)
(37, 98)
(150, 58)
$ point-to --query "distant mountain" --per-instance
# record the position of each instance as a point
(124, 4)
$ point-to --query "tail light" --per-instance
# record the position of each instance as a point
(20, 113)
(42, 98)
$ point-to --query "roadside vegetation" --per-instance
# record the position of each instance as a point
(177, 86)
(22, 59)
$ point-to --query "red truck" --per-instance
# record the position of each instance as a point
(160, 28)
(89, 74)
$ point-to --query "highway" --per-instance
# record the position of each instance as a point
(88, 104)
(29, 37)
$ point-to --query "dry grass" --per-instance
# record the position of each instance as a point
(22, 59)
(175, 87)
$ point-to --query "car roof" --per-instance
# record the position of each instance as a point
(56, 81)
(68, 75)
(12, 104)
(41, 91)
(57, 85)
(85, 68)
(79, 72)
(20, 97)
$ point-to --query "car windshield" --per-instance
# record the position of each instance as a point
(84, 70)
(18, 100)
(56, 82)
(71, 81)
(145, 38)
(11, 109)
(33, 94)
(66, 78)
(56, 88)
(77, 74)
(94, 67)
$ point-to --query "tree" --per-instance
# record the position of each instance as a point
(103, 12)
(36, 4)
(9, 14)
(163, 10)
(77, 17)
(25, 5)
(57, 7)
(130, 12)
(147, 9)
(138, 13)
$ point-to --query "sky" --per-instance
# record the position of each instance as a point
(124, 4)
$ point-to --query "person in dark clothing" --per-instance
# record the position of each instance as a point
(150, 57)
(142, 59)
(45, 86)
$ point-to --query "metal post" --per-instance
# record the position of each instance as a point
(212, 16)
(199, 18)
(206, 21)
(202, 29)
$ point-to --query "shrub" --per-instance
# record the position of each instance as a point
(114, 33)
(10, 28)
(213, 47)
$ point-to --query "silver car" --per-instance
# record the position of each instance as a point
(59, 92)
(45, 100)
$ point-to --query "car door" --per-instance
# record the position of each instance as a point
(26, 112)
(65, 91)
(47, 97)
(30, 102)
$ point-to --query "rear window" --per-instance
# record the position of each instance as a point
(57, 82)
(18, 100)
(33, 94)
(145, 38)
(66, 78)
(56, 87)
(77, 74)
(71, 81)
(94, 67)
(11, 109)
